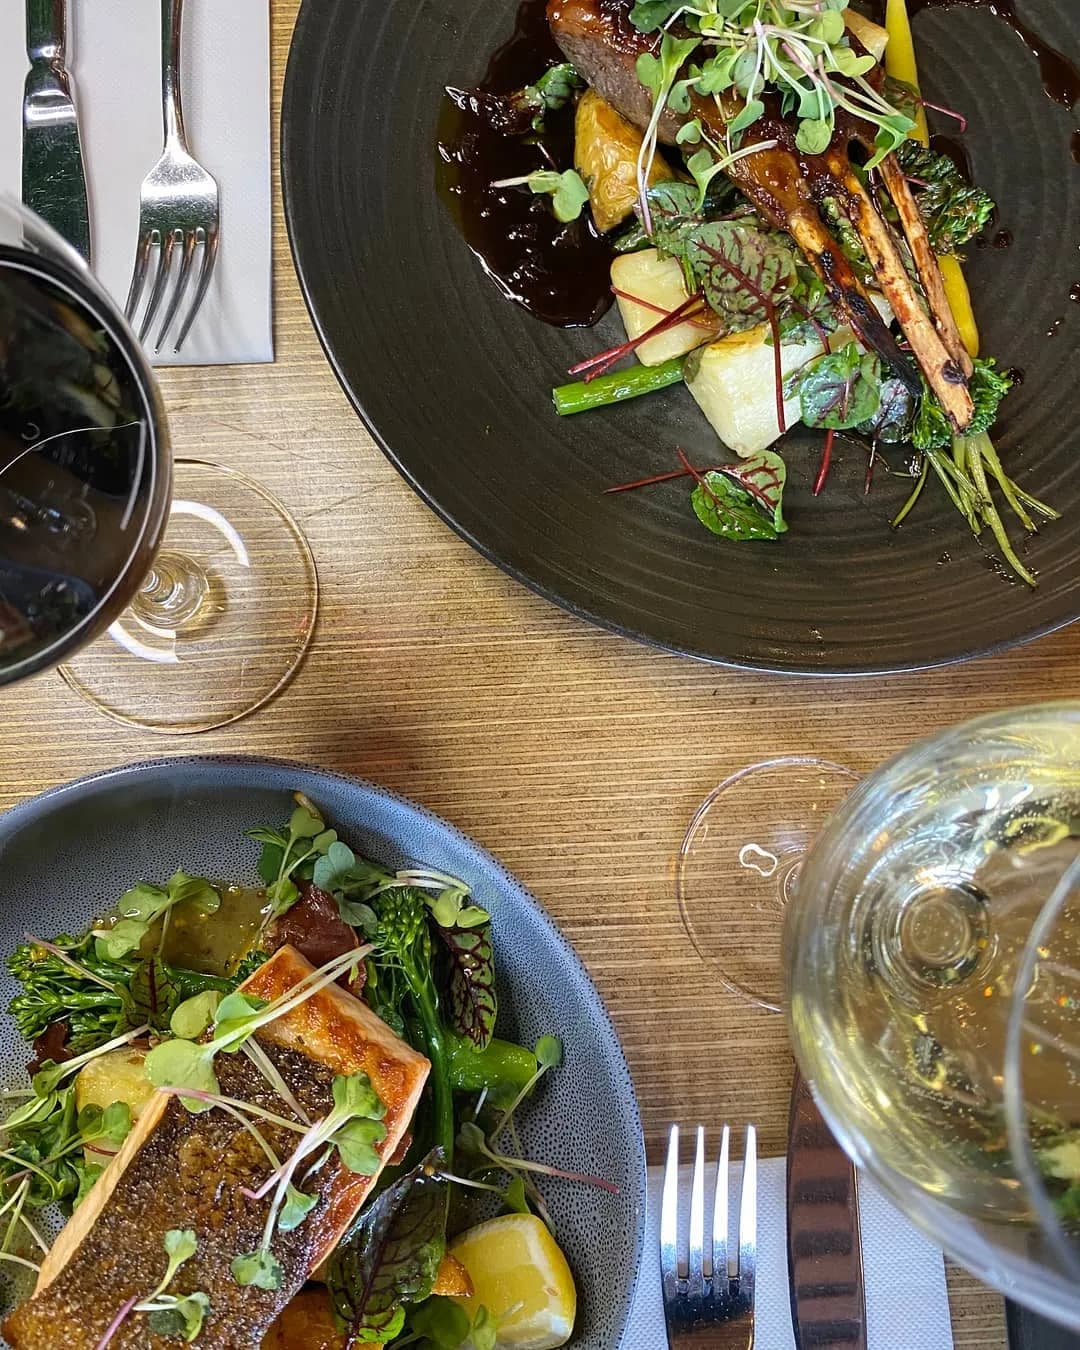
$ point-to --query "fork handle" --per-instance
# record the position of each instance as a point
(172, 104)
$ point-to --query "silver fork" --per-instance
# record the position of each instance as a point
(706, 1305)
(178, 212)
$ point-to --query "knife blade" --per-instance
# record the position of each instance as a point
(53, 183)
(825, 1268)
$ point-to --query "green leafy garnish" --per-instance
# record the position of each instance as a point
(288, 856)
(841, 389)
(189, 1064)
(743, 501)
(195, 1015)
(139, 908)
(800, 53)
(392, 1253)
(954, 211)
(169, 1315)
(446, 1325)
(471, 999)
(567, 190)
(551, 93)
(259, 1268)
(353, 1127)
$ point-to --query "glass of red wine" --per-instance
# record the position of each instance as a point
(175, 596)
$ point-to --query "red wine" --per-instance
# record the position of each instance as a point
(84, 463)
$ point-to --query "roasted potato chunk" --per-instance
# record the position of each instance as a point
(606, 149)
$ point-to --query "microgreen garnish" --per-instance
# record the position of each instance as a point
(567, 190)
(353, 1127)
(658, 75)
(285, 853)
(144, 904)
(472, 1139)
(549, 1055)
(169, 1314)
(190, 1064)
(800, 51)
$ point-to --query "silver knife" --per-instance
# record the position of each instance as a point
(825, 1266)
(53, 183)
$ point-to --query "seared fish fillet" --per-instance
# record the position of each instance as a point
(178, 1170)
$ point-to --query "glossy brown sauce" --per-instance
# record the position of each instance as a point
(1074, 293)
(1060, 75)
(957, 151)
(559, 273)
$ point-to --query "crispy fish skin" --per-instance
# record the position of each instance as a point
(178, 1170)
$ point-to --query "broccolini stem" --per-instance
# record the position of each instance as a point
(442, 1096)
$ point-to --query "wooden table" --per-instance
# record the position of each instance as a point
(575, 755)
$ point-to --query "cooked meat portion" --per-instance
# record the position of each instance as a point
(178, 1170)
(785, 186)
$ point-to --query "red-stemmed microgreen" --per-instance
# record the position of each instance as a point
(826, 461)
(692, 307)
(947, 112)
(471, 1138)
(353, 1126)
(170, 1315)
(659, 309)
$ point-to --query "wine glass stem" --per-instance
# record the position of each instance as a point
(174, 591)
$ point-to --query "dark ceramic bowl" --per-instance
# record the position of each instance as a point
(66, 855)
(454, 380)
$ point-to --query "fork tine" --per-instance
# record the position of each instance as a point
(720, 1219)
(748, 1217)
(138, 275)
(160, 282)
(669, 1218)
(190, 240)
(209, 259)
(695, 1258)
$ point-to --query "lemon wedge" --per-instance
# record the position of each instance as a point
(521, 1276)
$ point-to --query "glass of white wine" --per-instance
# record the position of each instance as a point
(934, 1006)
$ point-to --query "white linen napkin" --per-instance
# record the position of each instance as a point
(115, 59)
(907, 1302)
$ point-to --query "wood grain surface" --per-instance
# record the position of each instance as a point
(574, 755)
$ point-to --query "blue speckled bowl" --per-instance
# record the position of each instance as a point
(66, 855)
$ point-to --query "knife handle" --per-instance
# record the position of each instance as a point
(46, 30)
(172, 17)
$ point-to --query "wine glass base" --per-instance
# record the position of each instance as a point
(739, 863)
(224, 619)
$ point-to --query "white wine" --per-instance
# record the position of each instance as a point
(913, 914)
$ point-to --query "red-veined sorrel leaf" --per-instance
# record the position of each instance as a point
(391, 1255)
(472, 1001)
